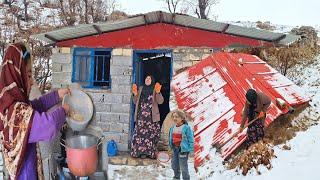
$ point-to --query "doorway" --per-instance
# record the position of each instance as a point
(157, 63)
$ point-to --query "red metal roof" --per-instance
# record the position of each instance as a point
(213, 93)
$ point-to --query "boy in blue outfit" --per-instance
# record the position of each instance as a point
(181, 142)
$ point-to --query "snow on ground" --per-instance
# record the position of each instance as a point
(302, 161)
(151, 172)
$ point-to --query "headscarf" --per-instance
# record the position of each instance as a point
(148, 90)
(251, 96)
(15, 109)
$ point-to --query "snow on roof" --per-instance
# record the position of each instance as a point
(213, 93)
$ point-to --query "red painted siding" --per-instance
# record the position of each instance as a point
(160, 35)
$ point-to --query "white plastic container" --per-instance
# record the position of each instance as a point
(81, 104)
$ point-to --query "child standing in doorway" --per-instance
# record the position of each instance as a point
(181, 142)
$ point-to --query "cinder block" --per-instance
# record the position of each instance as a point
(204, 56)
(126, 128)
(109, 117)
(116, 127)
(124, 138)
(61, 58)
(56, 67)
(65, 50)
(177, 65)
(176, 50)
(55, 50)
(122, 60)
(127, 52)
(187, 64)
(102, 107)
(120, 108)
(120, 70)
(66, 68)
(61, 77)
(112, 98)
(177, 57)
(112, 136)
(124, 118)
(123, 147)
(121, 89)
(126, 98)
(117, 52)
(121, 80)
(195, 62)
(206, 50)
(194, 57)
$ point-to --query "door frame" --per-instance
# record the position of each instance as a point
(135, 62)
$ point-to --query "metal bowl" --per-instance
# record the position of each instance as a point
(81, 104)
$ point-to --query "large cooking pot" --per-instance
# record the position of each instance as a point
(82, 154)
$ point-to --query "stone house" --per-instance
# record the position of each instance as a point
(106, 59)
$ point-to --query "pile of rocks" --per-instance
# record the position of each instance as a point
(308, 35)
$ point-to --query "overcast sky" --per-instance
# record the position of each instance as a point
(284, 12)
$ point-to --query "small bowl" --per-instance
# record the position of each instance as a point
(81, 104)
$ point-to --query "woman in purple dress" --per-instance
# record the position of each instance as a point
(24, 123)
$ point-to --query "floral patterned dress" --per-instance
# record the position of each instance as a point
(146, 133)
(255, 132)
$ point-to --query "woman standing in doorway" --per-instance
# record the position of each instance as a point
(147, 116)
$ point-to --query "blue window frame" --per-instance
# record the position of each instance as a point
(91, 67)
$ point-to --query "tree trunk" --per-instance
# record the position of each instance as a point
(203, 5)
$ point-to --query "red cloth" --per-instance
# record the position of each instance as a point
(177, 135)
(176, 139)
(15, 109)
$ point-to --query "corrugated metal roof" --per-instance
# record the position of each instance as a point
(158, 16)
(213, 91)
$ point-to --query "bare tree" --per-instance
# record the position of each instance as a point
(203, 8)
(172, 5)
(177, 6)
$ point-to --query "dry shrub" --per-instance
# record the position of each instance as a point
(257, 154)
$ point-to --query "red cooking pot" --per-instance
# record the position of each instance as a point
(82, 154)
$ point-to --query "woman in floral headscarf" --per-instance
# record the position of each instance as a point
(23, 123)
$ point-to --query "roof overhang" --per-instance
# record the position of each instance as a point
(85, 30)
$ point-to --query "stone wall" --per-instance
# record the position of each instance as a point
(185, 57)
(112, 106)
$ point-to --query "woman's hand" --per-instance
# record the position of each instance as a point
(62, 92)
(135, 89)
(157, 87)
(261, 115)
(66, 108)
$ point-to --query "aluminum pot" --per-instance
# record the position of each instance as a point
(82, 154)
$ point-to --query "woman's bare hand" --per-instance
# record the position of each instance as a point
(66, 108)
(62, 92)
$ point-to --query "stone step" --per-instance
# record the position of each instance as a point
(124, 158)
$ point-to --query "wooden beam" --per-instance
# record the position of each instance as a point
(279, 38)
(97, 28)
(50, 37)
(161, 17)
(145, 19)
(225, 28)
